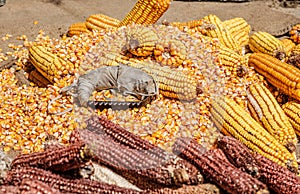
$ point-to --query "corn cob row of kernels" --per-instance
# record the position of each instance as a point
(146, 12)
(77, 29)
(190, 189)
(232, 119)
(288, 45)
(280, 74)
(28, 186)
(271, 116)
(222, 33)
(292, 111)
(295, 33)
(101, 22)
(239, 29)
(140, 41)
(263, 42)
(36, 77)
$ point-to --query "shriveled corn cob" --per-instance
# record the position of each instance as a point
(77, 29)
(294, 58)
(239, 29)
(171, 82)
(48, 64)
(295, 33)
(36, 77)
(232, 119)
(146, 12)
(269, 113)
(288, 45)
(230, 59)
(280, 74)
(263, 42)
(140, 41)
(101, 22)
(222, 33)
(292, 111)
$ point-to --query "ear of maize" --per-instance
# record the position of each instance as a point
(234, 120)
(280, 74)
(295, 33)
(239, 29)
(288, 45)
(292, 111)
(263, 42)
(101, 22)
(222, 33)
(294, 58)
(146, 12)
(77, 29)
(271, 116)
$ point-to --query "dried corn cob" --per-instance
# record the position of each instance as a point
(239, 155)
(263, 42)
(239, 29)
(36, 77)
(15, 177)
(49, 65)
(222, 33)
(140, 41)
(230, 59)
(190, 189)
(193, 26)
(101, 22)
(271, 116)
(146, 12)
(77, 29)
(288, 45)
(232, 119)
(28, 186)
(294, 58)
(277, 178)
(59, 159)
(171, 82)
(292, 111)
(217, 169)
(280, 74)
(295, 33)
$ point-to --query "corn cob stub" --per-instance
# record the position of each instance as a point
(280, 74)
(233, 120)
(268, 112)
(263, 42)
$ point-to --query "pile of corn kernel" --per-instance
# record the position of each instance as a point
(27, 123)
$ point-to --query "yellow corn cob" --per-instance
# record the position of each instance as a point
(295, 33)
(263, 42)
(239, 29)
(292, 111)
(146, 12)
(284, 76)
(171, 82)
(170, 52)
(221, 32)
(48, 64)
(37, 78)
(101, 22)
(193, 26)
(77, 29)
(234, 120)
(271, 116)
(231, 59)
(140, 41)
(288, 45)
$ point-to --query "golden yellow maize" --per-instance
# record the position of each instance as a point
(292, 111)
(146, 12)
(269, 113)
(232, 119)
(294, 58)
(101, 22)
(77, 29)
(239, 29)
(263, 42)
(288, 45)
(284, 76)
(295, 33)
(193, 26)
(48, 64)
(140, 41)
(222, 33)
(171, 82)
